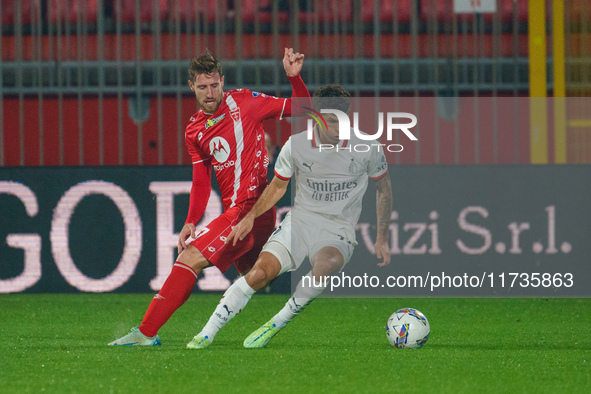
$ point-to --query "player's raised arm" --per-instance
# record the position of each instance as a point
(383, 210)
(266, 201)
(292, 62)
(271, 107)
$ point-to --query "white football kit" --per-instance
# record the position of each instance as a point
(329, 188)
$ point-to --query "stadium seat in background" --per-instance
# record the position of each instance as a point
(69, 10)
(387, 12)
(328, 11)
(265, 10)
(9, 12)
(206, 10)
(576, 13)
(508, 9)
(146, 10)
(443, 11)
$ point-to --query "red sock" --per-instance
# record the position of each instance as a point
(174, 292)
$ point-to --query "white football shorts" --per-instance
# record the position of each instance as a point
(303, 235)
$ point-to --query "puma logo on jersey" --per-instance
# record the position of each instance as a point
(308, 165)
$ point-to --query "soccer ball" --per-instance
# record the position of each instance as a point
(408, 328)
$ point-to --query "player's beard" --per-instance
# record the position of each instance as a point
(212, 106)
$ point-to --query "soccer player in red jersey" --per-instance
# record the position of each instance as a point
(226, 134)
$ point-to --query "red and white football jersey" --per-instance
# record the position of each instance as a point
(232, 141)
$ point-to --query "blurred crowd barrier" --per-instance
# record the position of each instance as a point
(104, 82)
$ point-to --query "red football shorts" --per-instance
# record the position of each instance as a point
(210, 240)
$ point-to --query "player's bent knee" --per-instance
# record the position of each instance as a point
(326, 268)
(327, 261)
(192, 257)
(264, 271)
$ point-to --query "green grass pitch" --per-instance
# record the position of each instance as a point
(57, 344)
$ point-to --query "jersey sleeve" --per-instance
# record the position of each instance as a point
(377, 166)
(271, 107)
(197, 155)
(200, 191)
(265, 106)
(201, 186)
(284, 163)
(299, 89)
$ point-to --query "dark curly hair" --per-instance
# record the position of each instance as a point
(205, 63)
(332, 96)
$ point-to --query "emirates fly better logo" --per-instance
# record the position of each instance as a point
(345, 129)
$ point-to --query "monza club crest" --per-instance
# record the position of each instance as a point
(235, 114)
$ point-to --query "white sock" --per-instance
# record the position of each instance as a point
(302, 296)
(232, 302)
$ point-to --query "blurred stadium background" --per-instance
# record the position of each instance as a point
(97, 90)
(104, 82)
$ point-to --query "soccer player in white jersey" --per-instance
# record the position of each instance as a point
(330, 184)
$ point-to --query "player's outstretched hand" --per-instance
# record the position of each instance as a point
(241, 230)
(292, 62)
(188, 230)
(382, 252)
